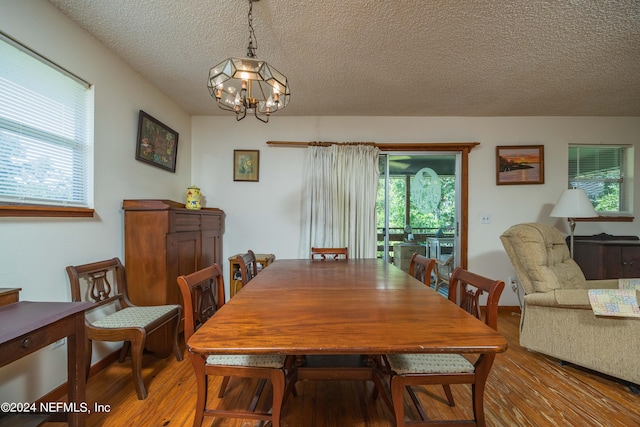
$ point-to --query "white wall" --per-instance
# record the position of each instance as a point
(265, 216)
(35, 251)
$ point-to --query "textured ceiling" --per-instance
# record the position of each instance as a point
(389, 58)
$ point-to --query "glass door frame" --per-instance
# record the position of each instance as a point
(462, 148)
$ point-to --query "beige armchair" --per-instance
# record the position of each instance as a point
(557, 319)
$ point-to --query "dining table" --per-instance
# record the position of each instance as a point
(304, 307)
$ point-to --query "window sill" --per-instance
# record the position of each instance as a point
(44, 211)
(605, 218)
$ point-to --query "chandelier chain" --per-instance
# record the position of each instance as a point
(253, 40)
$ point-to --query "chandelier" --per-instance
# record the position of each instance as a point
(248, 84)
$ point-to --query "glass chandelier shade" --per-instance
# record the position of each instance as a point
(248, 84)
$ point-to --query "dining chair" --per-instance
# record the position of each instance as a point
(105, 284)
(323, 254)
(408, 370)
(329, 253)
(203, 294)
(421, 267)
(248, 266)
(442, 271)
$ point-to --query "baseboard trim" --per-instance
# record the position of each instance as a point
(60, 391)
(509, 309)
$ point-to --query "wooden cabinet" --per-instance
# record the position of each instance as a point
(162, 240)
(608, 257)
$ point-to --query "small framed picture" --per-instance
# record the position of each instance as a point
(157, 143)
(519, 164)
(246, 165)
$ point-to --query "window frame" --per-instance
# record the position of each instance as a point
(627, 184)
(27, 209)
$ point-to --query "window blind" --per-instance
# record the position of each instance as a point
(600, 171)
(46, 131)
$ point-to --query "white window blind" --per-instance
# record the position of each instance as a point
(46, 131)
(601, 170)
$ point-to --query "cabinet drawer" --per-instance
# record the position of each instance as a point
(184, 221)
(211, 222)
(28, 343)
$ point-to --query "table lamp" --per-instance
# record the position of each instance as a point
(573, 203)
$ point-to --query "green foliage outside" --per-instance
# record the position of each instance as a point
(443, 217)
(603, 190)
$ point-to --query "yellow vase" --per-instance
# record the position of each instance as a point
(193, 198)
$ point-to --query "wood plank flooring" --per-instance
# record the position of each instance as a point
(524, 389)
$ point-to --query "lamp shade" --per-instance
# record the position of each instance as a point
(573, 203)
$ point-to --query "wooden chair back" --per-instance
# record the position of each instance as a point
(421, 267)
(202, 295)
(447, 369)
(105, 283)
(102, 283)
(248, 266)
(329, 253)
(471, 287)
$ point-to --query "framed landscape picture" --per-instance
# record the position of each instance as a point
(519, 164)
(246, 165)
(157, 143)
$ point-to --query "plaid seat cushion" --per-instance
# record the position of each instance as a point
(134, 317)
(429, 363)
(256, 361)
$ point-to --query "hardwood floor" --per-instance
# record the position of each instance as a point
(524, 389)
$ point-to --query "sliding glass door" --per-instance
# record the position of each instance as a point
(418, 206)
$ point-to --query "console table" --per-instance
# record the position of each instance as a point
(607, 257)
(29, 326)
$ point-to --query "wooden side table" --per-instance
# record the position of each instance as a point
(9, 295)
(29, 326)
(235, 284)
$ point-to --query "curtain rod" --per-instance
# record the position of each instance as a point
(420, 146)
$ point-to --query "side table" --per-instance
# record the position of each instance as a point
(29, 326)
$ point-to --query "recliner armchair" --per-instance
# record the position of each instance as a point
(557, 318)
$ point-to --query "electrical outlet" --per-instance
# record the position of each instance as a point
(59, 343)
(513, 282)
(485, 219)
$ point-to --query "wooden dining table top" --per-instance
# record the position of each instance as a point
(359, 306)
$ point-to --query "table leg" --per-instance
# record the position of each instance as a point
(76, 371)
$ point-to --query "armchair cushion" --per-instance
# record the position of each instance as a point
(543, 259)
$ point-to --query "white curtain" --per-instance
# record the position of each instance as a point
(339, 199)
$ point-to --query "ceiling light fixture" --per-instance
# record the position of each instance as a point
(249, 84)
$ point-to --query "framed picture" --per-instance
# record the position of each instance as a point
(246, 165)
(157, 143)
(519, 164)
